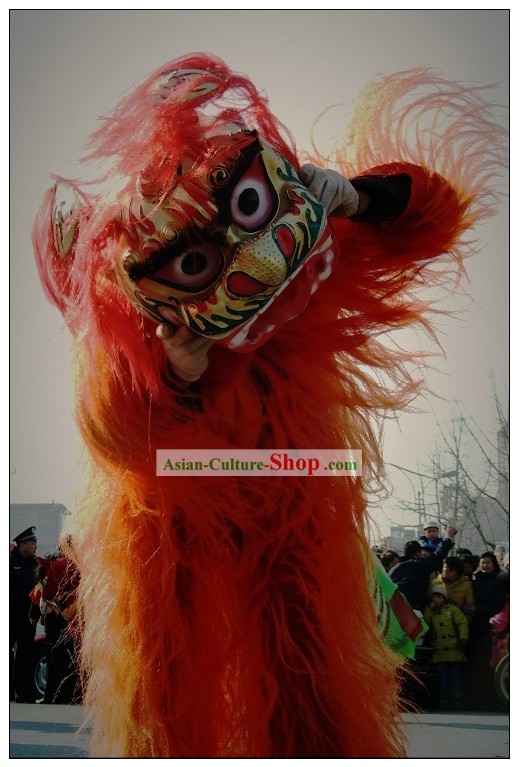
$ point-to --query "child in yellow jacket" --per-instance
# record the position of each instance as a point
(458, 585)
(449, 633)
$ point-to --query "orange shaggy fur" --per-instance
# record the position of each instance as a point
(233, 616)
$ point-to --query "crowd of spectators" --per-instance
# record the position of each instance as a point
(462, 597)
(464, 600)
(42, 592)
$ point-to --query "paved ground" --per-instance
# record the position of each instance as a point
(38, 731)
(470, 735)
(46, 732)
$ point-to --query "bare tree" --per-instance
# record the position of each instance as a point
(465, 481)
(478, 498)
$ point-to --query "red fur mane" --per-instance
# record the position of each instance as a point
(234, 616)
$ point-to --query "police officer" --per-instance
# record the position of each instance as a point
(22, 579)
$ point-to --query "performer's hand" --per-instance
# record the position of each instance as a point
(333, 190)
(187, 352)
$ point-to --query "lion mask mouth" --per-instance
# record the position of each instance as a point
(289, 301)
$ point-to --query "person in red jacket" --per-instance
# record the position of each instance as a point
(54, 599)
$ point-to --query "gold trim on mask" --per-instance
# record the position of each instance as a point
(218, 247)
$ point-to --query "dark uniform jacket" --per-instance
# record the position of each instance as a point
(412, 576)
(490, 591)
(22, 578)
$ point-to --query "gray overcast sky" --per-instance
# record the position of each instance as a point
(68, 67)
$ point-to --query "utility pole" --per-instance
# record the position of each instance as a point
(420, 510)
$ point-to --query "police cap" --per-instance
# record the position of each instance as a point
(27, 535)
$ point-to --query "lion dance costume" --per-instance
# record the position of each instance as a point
(233, 615)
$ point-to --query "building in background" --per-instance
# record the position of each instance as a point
(482, 521)
(47, 517)
(399, 535)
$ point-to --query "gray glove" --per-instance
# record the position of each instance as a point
(331, 189)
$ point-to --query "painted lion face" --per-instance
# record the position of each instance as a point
(221, 251)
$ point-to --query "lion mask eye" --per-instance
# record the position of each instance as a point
(192, 270)
(253, 202)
